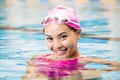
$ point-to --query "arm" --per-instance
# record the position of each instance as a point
(32, 72)
(103, 61)
(115, 65)
(92, 73)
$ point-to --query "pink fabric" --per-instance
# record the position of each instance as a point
(57, 68)
(63, 12)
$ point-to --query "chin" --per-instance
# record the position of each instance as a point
(62, 56)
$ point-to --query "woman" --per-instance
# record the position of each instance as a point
(62, 31)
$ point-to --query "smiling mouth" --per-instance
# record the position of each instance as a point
(61, 52)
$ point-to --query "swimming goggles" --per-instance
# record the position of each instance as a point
(66, 21)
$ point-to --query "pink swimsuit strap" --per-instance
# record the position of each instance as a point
(57, 68)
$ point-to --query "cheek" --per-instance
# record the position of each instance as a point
(69, 43)
(49, 45)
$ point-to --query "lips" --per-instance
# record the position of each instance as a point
(61, 52)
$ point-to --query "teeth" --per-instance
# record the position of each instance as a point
(60, 52)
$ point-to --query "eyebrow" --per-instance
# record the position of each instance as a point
(58, 34)
(61, 33)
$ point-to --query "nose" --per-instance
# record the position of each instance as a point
(57, 44)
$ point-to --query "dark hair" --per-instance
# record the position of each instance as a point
(72, 28)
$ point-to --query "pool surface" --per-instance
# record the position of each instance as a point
(18, 45)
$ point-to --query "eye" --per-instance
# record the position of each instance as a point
(63, 36)
(49, 39)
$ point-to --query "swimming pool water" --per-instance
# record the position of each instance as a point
(18, 46)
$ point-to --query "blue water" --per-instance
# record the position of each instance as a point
(17, 46)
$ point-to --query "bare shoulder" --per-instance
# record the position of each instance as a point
(30, 62)
(39, 55)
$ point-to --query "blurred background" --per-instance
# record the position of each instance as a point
(29, 13)
(21, 32)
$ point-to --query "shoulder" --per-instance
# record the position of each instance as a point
(30, 62)
(38, 55)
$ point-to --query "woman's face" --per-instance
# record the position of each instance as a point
(61, 40)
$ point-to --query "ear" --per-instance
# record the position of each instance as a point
(78, 32)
